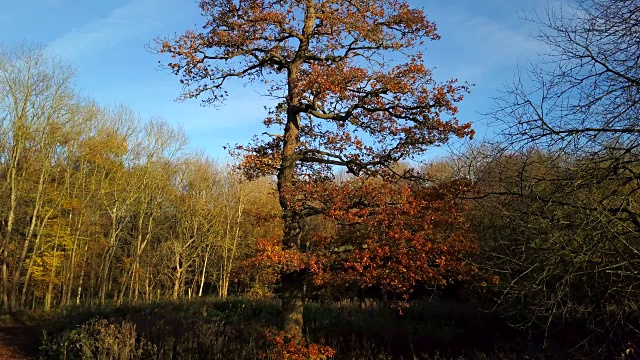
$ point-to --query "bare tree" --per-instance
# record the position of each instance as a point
(565, 235)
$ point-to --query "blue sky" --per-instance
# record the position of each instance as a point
(483, 42)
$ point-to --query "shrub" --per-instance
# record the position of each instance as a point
(97, 339)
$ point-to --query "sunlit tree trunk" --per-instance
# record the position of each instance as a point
(204, 270)
(232, 234)
(177, 280)
(34, 254)
(25, 244)
(82, 276)
(49, 296)
(107, 257)
(11, 175)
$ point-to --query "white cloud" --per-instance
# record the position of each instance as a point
(138, 17)
(477, 43)
(502, 40)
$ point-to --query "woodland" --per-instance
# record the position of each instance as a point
(332, 235)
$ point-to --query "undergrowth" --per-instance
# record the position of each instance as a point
(245, 329)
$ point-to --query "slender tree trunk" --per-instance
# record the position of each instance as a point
(105, 280)
(11, 175)
(49, 296)
(36, 243)
(102, 284)
(5, 274)
(178, 278)
(74, 256)
(110, 289)
(84, 260)
(25, 286)
(92, 281)
(137, 284)
(134, 271)
(204, 270)
(147, 288)
(141, 248)
(69, 285)
(27, 239)
(229, 257)
(194, 283)
(127, 281)
(119, 296)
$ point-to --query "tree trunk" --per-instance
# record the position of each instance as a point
(84, 260)
(72, 264)
(204, 270)
(49, 296)
(105, 281)
(25, 286)
(11, 175)
(147, 289)
(292, 284)
(74, 258)
(27, 239)
(293, 303)
(231, 245)
(104, 278)
(178, 278)
(132, 284)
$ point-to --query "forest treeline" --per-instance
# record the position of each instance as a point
(99, 205)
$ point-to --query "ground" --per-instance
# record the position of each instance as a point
(18, 343)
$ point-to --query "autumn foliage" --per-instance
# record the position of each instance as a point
(375, 233)
(283, 347)
(345, 101)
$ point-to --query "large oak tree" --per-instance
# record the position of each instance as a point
(352, 85)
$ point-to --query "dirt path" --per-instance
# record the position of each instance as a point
(18, 343)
